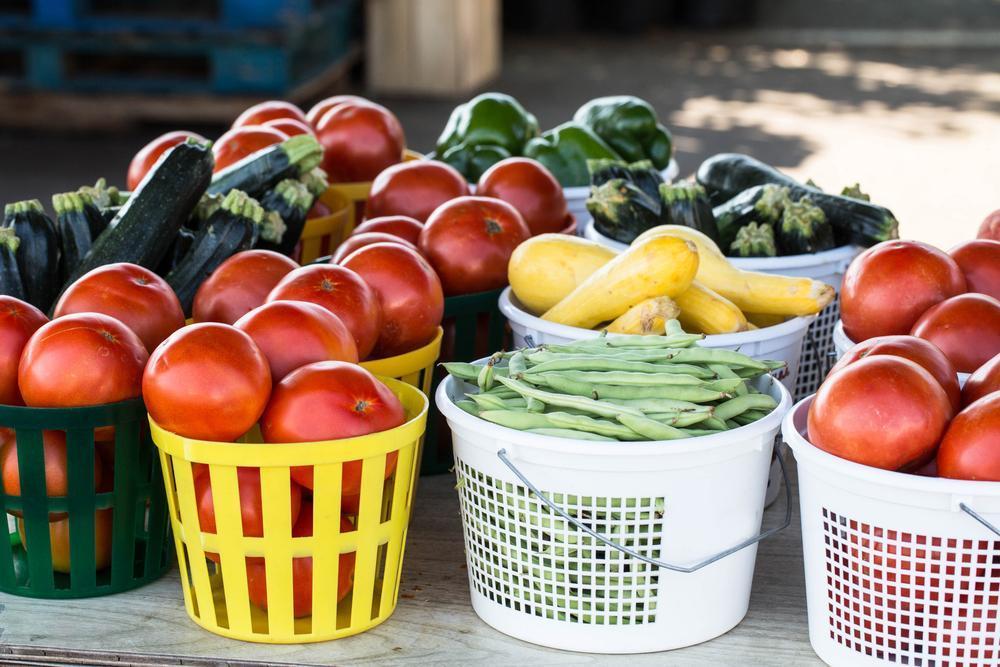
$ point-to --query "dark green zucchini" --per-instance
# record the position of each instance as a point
(96, 222)
(803, 229)
(10, 276)
(74, 231)
(754, 240)
(686, 203)
(291, 200)
(147, 224)
(257, 173)
(854, 192)
(316, 182)
(207, 205)
(641, 174)
(178, 249)
(853, 221)
(103, 195)
(38, 252)
(761, 203)
(622, 211)
(231, 229)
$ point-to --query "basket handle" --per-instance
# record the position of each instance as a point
(685, 569)
(978, 517)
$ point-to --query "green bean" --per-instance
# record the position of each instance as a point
(708, 355)
(698, 432)
(525, 420)
(681, 393)
(560, 362)
(730, 424)
(650, 428)
(749, 417)
(714, 423)
(673, 327)
(462, 371)
(660, 405)
(637, 341)
(628, 378)
(517, 365)
(725, 385)
(679, 418)
(488, 401)
(578, 402)
(569, 433)
(469, 407)
(534, 405)
(741, 404)
(726, 372)
(486, 375)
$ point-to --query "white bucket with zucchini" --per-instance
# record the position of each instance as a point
(576, 196)
(612, 490)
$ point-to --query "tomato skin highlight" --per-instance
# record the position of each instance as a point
(359, 140)
(240, 142)
(147, 156)
(414, 189)
(529, 187)
(979, 260)
(319, 109)
(971, 446)
(965, 327)
(985, 380)
(289, 126)
(240, 284)
(356, 241)
(18, 321)
(271, 110)
(402, 226)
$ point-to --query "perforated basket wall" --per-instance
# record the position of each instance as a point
(818, 352)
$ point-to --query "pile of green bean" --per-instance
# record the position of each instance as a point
(620, 388)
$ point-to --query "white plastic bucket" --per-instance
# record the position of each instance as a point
(538, 578)
(898, 570)
(576, 197)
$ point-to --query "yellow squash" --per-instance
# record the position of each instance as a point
(752, 292)
(647, 317)
(658, 266)
(546, 268)
(763, 321)
(705, 311)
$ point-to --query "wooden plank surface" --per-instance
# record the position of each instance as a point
(434, 623)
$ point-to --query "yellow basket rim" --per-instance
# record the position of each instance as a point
(408, 362)
(340, 209)
(408, 155)
(281, 455)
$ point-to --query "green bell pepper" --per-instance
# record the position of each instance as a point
(491, 119)
(472, 161)
(629, 125)
(564, 150)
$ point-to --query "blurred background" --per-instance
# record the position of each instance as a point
(901, 97)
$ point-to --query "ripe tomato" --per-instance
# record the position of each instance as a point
(966, 328)
(331, 400)
(529, 187)
(292, 334)
(56, 475)
(408, 291)
(883, 411)
(240, 284)
(990, 228)
(81, 359)
(260, 113)
(359, 141)
(134, 295)
(59, 541)
(469, 241)
(917, 350)
(289, 126)
(208, 382)
(240, 142)
(414, 189)
(980, 262)
(151, 152)
(985, 380)
(887, 287)
(319, 109)
(971, 446)
(405, 228)
(355, 241)
(18, 320)
(343, 293)
(302, 570)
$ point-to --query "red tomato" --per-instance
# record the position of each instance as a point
(887, 287)
(289, 126)
(980, 262)
(971, 446)
(240, 284)
(260, 113)
(151, 152)
(59, 541)
(302, 571)
(134, 295)
(292, 334)
(990, 229)
(81, 359)
(319, 109)
(917, 350)
(985, 380)
(408, 291)
(318, 210)
(355, 241)
(966, 328)
(18, 320)
(469, 241)
(359, 141)
(529, 187)
(56, 474)
(343, 293)
(208, 382)
(240, 142)
(881, 411)
(331, 400)
(405, 228)
(414, 189)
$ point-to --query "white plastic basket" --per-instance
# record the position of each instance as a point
(533, 574)
(576, 197)
(827, 266)
(900, 569)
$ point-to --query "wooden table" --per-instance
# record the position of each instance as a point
(434, 623)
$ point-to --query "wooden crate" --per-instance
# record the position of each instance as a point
(433, 47)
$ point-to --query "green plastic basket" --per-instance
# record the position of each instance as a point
(140, 550)
(473, 328)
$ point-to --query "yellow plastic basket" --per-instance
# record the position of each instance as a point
(321, 236)
(415, 368)
(216, 594)
(357, 193)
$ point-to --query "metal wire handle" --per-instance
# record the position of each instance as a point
(981, 519)
(502, 455)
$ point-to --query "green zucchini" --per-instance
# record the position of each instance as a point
(207, 205)
(74, 231)
(96, 221)
(257, 173)
(686, 203)
(38, 251)
(231, 229)
(854, 192)
(622, 211)
(803, 229)
(854, 221)
(291, 200)
(761, 203)
(147, 224)
(178, 249)
(10, 275)
(641, 174)
(316, 182)
(754, 240)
